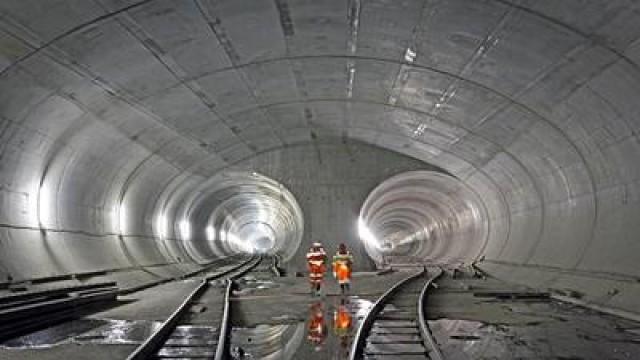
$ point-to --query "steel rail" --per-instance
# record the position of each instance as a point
(28, 317)
(432, 346)
(206, 268)
(154, 342)
(365, 326)
(222, 347)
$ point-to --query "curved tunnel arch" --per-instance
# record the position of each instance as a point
(231, 213)
(547, 141)
(424, 215)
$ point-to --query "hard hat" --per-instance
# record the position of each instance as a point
(316, 244)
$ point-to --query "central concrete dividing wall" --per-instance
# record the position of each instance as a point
(330, 182)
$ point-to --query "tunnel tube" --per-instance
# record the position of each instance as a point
(235, 212)
(107, 108)
(424, 216)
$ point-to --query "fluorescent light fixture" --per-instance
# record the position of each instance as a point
(45, 204)
(211, 233)
(366, 235)
(410, 55)
(162, 226)
(122, 218)
(185, 230)
(239, 243)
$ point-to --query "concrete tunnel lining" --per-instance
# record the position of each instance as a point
(424, 215)
(231, 201)
(106, 111)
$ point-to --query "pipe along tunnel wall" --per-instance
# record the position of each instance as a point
(107, 110)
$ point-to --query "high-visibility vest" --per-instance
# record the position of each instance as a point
(316, 257)
(342, 260)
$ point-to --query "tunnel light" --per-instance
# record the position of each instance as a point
(410, 55)
(185, 230)
(366, 235)
(262, 244)
(419, 130)
(45, 205)
(211, 233)
(161, 224)
(115, 219)
(122, 218)
(239, 243)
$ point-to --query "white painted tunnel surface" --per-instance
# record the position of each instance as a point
(109, 107)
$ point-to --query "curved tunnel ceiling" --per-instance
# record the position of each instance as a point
(107, 106)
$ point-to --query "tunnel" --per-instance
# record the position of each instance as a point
(142, 141)
(424, 215)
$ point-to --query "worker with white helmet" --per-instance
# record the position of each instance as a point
(316, 258)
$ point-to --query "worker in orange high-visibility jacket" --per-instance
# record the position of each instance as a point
(342, 263)
(316, 258)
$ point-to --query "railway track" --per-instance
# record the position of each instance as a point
(29, 311)
(395, 327)
(200, 326)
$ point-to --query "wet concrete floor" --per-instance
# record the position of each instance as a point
(280, 319)
(485, 319)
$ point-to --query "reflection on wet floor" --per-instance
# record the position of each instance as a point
(317, 327)
(83, 331)
(119, 332)
(266, 341)
(571, 333)
(326, 334)
(342, 326)
(53, 335)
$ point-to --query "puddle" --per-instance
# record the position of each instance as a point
(360, 306)
(194, 332)
(119, 332)
(53, 335)
(327, 333)
(266, 341)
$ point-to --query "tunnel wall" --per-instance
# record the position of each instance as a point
(532, 103)
(423, 217)
(60, 203)
(331, 181)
